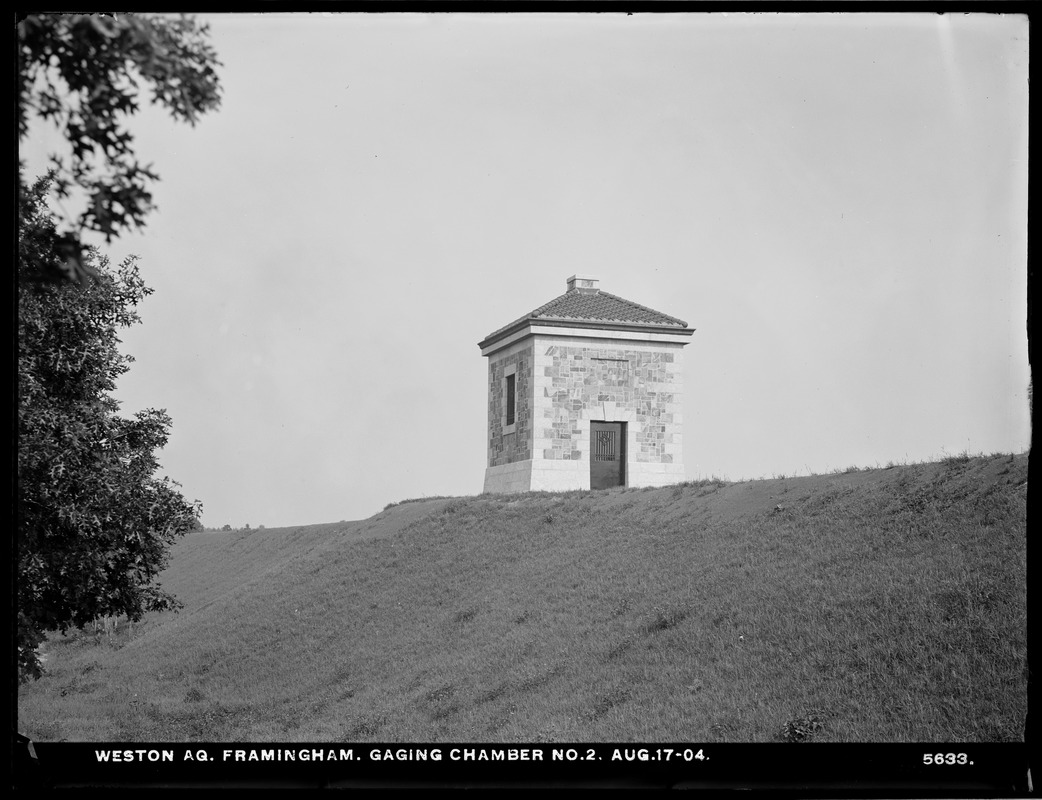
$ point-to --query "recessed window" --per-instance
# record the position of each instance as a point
(510, 399)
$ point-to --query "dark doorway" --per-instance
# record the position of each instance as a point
(607, 454)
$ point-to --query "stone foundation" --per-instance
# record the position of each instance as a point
(566, 476)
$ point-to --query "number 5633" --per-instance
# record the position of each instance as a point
(946, 758)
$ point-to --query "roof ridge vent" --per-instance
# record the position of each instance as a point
(587, 284)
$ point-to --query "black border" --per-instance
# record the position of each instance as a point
(809, 770)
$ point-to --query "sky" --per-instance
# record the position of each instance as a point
(837, 203)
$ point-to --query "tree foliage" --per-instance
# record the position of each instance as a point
(94, 522)
(82, 72)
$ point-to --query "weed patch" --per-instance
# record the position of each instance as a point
(465, 616)
(617, 651)
(802, 728)
(454, 506)
(365, 729)
(665, 618)
(441, 693)
(609, 701)
(491, 695)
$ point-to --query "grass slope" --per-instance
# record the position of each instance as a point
(874, 605)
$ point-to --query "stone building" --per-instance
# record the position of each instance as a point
(585, 392)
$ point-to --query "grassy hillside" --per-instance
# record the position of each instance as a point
(873, 605)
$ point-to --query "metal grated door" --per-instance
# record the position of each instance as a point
(607, 455)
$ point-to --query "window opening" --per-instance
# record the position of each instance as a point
(510, 399)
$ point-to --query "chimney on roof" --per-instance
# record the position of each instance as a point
(587, 284)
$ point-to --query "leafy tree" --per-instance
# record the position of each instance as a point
(94, 522)
(81, 72)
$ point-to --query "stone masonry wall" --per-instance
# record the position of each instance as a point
(575, 381)
(506, 448)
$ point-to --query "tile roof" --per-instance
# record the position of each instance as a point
(597, 307)
(601, 307)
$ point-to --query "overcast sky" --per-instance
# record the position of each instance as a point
(837, 203)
